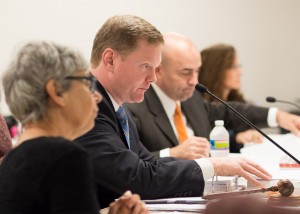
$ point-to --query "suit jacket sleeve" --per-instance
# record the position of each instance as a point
(218, 111)
(234, 146)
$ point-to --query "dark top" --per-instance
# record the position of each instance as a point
(119, 168)
(47, 175)
(234, 146)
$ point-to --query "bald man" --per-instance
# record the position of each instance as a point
(177, 76)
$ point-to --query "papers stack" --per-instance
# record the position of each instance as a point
(186, 204)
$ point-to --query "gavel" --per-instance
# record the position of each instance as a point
(284, 186)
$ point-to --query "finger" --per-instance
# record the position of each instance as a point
(145, 209)
(198, 138)
(126, 195)
(201, 147)
(114, 207)
(139, 208)
(135, 198)
(202, 156)
(204, 141)
(294, 129)
(201, 143)
(256, 170)
(256, 166)
(289, 122)
(258, 140)
(251, 179)
(201, 151)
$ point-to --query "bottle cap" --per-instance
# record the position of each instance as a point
(219, 122)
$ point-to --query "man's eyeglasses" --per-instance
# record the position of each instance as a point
(89, 81)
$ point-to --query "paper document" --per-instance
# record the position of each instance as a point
(196, 208)
(185, 204)
(183, 200)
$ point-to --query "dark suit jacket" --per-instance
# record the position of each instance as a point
(156, 131)
(118, 168)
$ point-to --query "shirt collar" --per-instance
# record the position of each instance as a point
(168, 104)
(115, 104)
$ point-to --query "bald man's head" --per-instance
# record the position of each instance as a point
(177, 44)
(178, 72)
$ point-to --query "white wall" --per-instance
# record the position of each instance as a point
(266, 33)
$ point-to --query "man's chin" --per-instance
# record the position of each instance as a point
(137, 99)
(185, 97)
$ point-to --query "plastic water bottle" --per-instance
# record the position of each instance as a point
(219, 140)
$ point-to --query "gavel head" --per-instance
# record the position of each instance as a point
(285, 187)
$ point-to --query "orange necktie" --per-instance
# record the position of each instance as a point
(179, 124)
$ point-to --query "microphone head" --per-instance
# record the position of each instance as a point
(271, 99)
(201, 88)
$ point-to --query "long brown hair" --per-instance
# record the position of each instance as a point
(216, 60)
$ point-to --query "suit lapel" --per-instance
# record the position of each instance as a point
(161, 118)
(106, 106)
(194, 114)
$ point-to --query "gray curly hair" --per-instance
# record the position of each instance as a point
(26, 76)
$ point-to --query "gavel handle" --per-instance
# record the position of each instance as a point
(238, 193)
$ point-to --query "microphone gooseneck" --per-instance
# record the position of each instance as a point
(274, 100)
(203, 89)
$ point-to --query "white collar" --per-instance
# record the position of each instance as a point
(168, 104)
(115, 104)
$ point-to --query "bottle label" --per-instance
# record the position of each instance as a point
(219, 144)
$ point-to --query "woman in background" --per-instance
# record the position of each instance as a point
(5, 139)
(49, 90)
(221, 73)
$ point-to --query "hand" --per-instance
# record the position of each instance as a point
(192, 148)
(239, 166)
(288, 121)
(128, 203)
(249, 136)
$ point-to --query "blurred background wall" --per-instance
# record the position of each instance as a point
(266, 33)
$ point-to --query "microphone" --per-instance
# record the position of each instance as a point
(274, 100)
(201, 88)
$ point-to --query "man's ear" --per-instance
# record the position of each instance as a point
(54, 92)
(108, 57)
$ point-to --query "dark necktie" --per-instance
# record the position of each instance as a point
(122, 117)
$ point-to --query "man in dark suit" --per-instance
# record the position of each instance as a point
(125, 54)
(157, 133)
(176, 79)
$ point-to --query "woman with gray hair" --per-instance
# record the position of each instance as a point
(49, 90)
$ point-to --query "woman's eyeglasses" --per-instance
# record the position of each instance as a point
(89, 81)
